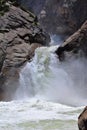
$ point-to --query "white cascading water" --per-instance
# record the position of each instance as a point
(48, 78)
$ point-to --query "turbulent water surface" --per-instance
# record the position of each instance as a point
(37, 114)
(51, 95)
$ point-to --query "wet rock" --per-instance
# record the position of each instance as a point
(31, 51)
(74, 45)
(2, 57)
(82, 120)
(9, 82)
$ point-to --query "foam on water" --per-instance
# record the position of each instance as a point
(16, 113)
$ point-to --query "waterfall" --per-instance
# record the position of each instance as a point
(45, 77)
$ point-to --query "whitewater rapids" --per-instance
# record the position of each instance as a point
(37, 114)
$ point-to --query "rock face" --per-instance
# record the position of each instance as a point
(63, 17)
(82, 120)
(33, 5)
(75, 44)
(59, 16)
(20, 35)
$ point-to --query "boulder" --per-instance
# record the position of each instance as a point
(20, 35)
(82, 120)
(75, 45)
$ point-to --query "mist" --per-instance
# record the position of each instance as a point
(69, 85)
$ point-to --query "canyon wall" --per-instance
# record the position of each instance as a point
(62, 17)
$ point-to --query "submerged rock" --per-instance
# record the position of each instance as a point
(20, 35)
(74, 45)
(82, 120)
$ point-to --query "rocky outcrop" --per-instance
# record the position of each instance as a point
(74, 45)
(20, 35)
(82, 120)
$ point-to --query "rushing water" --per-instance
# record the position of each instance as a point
(51, 95)
(35, 114)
